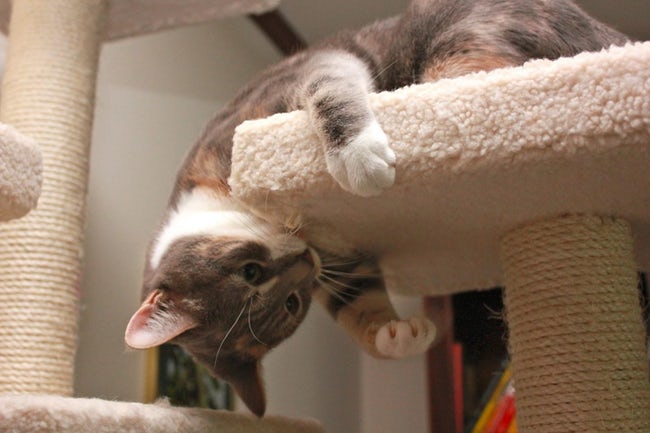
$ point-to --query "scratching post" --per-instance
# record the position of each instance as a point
(576, 335)
(47, 93)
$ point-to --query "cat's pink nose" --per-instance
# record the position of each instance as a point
(308, 256)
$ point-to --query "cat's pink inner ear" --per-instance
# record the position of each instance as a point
(149, 327)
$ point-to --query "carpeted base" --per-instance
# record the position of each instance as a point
(50, 414)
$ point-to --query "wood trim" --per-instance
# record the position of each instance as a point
(276, 27)
(443, 393)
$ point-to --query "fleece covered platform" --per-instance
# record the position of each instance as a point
(20, 173)
(54, 414)
(477, 156)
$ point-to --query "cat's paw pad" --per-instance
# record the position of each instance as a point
(401, 338)
(366, 165)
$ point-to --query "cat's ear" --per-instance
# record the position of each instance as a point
(246, 379)
(152, 326)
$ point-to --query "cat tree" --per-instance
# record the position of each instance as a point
(535, 177)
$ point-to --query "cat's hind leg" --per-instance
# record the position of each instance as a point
(356, 297)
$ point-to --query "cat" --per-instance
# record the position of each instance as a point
(229, 286)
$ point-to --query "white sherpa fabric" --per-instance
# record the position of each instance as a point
(20, 173)
(476, 157)
(54, 414)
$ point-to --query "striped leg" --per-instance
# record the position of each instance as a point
(356, 297)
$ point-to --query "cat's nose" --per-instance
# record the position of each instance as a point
(307, 256)
(311, 257)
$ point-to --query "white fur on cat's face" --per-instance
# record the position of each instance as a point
(202, 212)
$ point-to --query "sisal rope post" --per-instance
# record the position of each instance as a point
(577, 338)
(48, 94)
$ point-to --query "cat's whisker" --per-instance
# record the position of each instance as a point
(266, 201)
(258, 229)
(384, 69)
(251, 293)
(349, 274)
(263, 300)
(225, 337)
(250, 324)
(352, 261)
(295, 230)
(338, 294)
(328, 285)
(338, 283)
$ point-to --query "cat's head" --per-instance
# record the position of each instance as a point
(226, 287)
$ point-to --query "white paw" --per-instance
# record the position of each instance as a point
(401, 338)
(365, 165)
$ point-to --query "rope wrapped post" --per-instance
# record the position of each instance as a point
(577, 338)
(48, 94)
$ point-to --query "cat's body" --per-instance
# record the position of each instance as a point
(229, 286)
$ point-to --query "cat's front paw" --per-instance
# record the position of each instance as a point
(401, 338)
(366, 165)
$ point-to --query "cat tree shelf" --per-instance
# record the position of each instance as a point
(21, 173)
(54, 414)
(476, 157)
(534, 177)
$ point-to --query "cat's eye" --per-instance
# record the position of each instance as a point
(251, 272)
(292, 304)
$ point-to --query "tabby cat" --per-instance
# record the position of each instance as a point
(229, 286)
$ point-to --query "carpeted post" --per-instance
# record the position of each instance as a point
(577, 339)
(48, 94)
